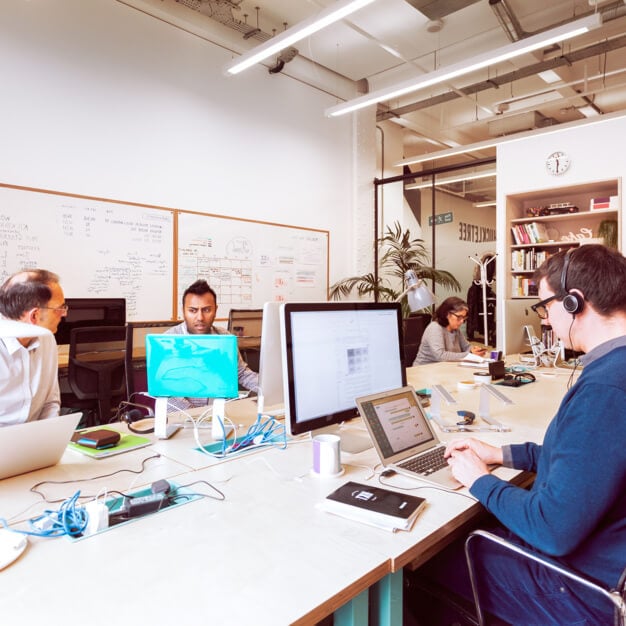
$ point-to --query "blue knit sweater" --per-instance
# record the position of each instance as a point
(576, 508)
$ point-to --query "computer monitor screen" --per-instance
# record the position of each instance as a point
(192, 366)
(90, 312)
(333, 353)
(270, 360)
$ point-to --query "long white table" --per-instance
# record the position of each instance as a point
(264, 555)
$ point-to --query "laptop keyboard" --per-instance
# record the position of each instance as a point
(426, 463)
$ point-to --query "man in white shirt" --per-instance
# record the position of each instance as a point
(29, 387)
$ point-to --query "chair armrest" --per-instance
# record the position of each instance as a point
(616, 597)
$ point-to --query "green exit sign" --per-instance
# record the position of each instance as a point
(442, 218)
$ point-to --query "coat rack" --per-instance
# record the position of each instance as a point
(484, 283)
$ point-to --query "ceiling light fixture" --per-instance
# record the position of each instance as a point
(333, 13)
(443, 74)
(479, 205)
(492, 143)
(589, 110)
(449, 181)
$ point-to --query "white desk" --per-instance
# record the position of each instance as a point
(265, 555)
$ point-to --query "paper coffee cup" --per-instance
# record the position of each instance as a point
(327, 455)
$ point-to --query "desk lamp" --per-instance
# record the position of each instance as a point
(417, 293)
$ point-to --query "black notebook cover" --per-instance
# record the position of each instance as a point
(377, 500)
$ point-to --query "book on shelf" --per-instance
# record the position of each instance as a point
(532, 232)
(375, 506)
(523, 286)
(126, 443)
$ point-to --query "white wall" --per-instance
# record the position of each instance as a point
(595, 151)
(103, 100)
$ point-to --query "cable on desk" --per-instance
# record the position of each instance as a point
(452, 491)
(266, 431)
(34, 488)
(70, 519)
(204, 495)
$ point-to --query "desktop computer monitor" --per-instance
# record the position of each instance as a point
(334, 352)
(189, 366)
(270, 360)
(90, 312)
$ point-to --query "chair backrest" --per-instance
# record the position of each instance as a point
(136, 380)
(617, 596)
(413, 329)
(97, 366)
(246, 324)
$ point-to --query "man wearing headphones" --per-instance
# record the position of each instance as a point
(199, 310)
(575, 511)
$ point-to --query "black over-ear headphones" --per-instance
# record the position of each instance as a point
(573, 303)
(129, 416)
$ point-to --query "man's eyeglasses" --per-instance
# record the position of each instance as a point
(63, 307)
(541, 308)
(459, 316)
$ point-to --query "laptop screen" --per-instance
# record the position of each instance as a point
(397, 421)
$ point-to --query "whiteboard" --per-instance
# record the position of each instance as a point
(248, 262)
(99, 248)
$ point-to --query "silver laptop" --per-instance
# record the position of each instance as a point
(33, 445)
(404, 437)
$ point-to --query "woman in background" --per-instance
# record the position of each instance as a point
(443, 340)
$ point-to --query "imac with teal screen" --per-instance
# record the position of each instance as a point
(190, 366)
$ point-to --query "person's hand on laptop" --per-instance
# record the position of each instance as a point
(469, 459)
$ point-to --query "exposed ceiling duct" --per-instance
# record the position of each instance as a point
(438, 9)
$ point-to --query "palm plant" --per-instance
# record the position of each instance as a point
(399, 253)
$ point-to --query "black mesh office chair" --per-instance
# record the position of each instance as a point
(97, 370)
(615, 596)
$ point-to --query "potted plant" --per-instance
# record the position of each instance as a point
(399, 252)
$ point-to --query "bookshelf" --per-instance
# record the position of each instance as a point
(548, 231)
(537, 228)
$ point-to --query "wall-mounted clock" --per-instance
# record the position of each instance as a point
(557, 163)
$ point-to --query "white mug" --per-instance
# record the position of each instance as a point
(326, 455)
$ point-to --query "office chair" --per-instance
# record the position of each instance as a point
(96, 368)
(135, 355)
(616, 596)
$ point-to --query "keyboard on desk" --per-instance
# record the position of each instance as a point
(427, 462)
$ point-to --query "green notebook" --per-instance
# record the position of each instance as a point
(127, 442)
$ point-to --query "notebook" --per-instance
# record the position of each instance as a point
(34, 445)
(402, 434)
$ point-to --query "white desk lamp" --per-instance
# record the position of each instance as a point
(417, 293)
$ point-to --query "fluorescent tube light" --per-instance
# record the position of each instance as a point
(492, 143)
(589, 110)
(549, 76)
(448, 181)
(566, 31)
(479, 205)
(333, 13)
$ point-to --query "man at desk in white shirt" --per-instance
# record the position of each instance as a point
(29, 388)
(199, 310)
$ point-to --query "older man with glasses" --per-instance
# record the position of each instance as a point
(29, 388)
(443, 340)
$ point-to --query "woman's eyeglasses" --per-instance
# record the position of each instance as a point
(459, 316)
